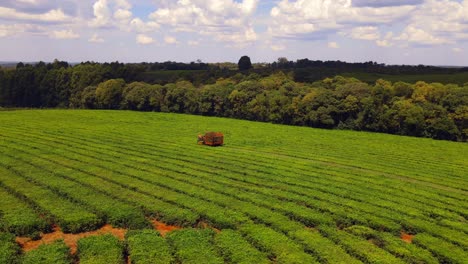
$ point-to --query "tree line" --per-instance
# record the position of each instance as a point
(422, 109)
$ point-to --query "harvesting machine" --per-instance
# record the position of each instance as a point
(211, 139)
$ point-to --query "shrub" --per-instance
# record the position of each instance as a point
(105, 249)
(236, 249)
(194, 246)
(277, 245)
(147, 247)
(9, 250)
(57, 253)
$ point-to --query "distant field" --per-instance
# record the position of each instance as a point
(455, 78)
(272, 194)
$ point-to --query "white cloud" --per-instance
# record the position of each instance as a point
(457, 50)
(225, 20)
(419, 36)
(437, 22)
(111, 13)
(64, 34)
(304, 19)
(425, 22)
(386, 42)
(144, 39)
(96, 39)
(278, 47)
(54, 16)
(122, 15)
(365, 33)
(333, 45)
(142, 27)
(170, 40)
(102, 14)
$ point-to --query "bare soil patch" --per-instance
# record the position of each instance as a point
(164, 228)
(406, 237)
(70, 240)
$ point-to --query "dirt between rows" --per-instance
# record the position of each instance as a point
(406, 237)
(71, 240)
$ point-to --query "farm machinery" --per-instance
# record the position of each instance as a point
(211, 139)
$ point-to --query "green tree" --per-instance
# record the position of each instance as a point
(136, 96)
(109, 94)
(244, 63)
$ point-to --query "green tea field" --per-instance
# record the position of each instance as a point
(133, 187)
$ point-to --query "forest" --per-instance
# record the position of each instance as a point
(276, 93)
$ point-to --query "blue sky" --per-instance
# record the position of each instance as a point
(387, 31)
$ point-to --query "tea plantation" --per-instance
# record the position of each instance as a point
(271, 194)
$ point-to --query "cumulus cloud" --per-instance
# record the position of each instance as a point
(365, 33)
(303, 18)
(15, 29)
(225, 20)
(144, 39)
(419, 36)
(112, 13)
(387, 41)
(96, 39)
(64, 34)
(69, 7)
(139, 26)
(425, 22)
(52, 16)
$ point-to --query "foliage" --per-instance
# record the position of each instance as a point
(57, 252)
(236, 249)
(9, 250)
(147, 246)
(17, 217)
(278, 246)
(422, 109)
(292, 194)
(104, 249)
(244, 63)
(194, 246)
(443, 250)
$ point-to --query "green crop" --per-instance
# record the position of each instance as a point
(272, 193)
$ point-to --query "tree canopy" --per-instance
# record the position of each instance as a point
(244, 63)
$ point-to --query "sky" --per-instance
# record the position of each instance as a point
(431, 32)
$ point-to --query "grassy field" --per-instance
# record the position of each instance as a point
(273, 193)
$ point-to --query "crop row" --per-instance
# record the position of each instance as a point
(331, 152)
(455, 217)
(70, 216)
(107, 208)
(423, 223)
(385, 187)
(321, 154)
(17, 217)
(278, 221)
(433, 211)
(134, 141)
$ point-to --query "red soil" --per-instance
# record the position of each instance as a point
(70, 239)
(202, 224)
(406, 237)
(163, 228)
